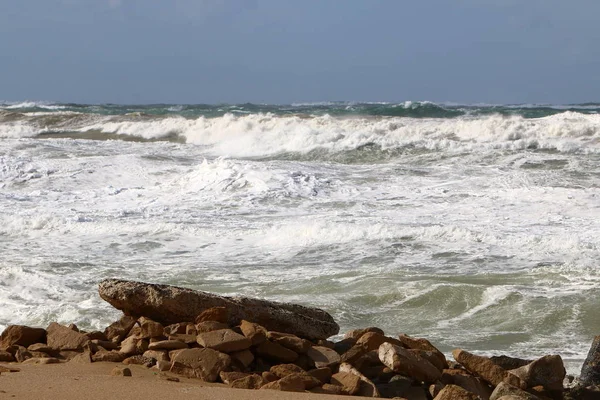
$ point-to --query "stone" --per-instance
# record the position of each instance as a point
(323, 374)
(256, 333)
(467, 381)
(367, 387)
(244, 357)
(158, 355)
(150, 329)
(357, 333)
(179, 327)
(486, 369)
(430, 356)
(323, 356)
(509, 363)
(229, 376)
(308, 380)
(453, 392)
(82, 358)
(328, 389)
(282, 370)
(22, 354)
(292, 342)
(253, 381)
(68, 355)
(105, 344)
(349, 382)
(435, 388)
(506, 389)
(405, 362)
(170, 304)
(276, 351)
(108, 356)
(291, 383)
(134, 345)
(304, 362)
(590, 370)
(217, 314)
(42, 360)
(96, 335)
(344, 345)
(118, 330)
(162, 365)
(21, 335)
(423, 344)
(187, 339)
(60, 337)
(268, 376)
(224, 340)
(139, 359)
(39, 354)
(191, 330)
(9, 369)
(5, 356)
(120, 371)
(510, 397)
(353, 354)
(372, 340)
(205, 364)
(167, 345)
(208, 326)
(548, 371)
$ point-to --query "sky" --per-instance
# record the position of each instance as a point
(287, 51)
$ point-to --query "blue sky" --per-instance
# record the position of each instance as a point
(284, 51)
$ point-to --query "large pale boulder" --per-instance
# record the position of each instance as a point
(590, 370)
(170, 304)
(205, 364)
(486, 369)
(21, 335)
(405, 362)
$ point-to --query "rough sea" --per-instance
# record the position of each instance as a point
(475, 226)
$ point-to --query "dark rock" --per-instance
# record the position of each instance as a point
(509, 363)
(170, 304)
(21, 335)
(590, 371)
(276, 352)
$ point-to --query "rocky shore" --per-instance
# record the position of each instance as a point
(255, 344)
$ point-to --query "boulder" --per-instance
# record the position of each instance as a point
(323, 356)
(224, 340)
(253, 381)
(323, 374)
(276, 352)
(243, 358)
(423, 344)
(120, 371)
(6, 356)
(139, 359)
(282, 370)
(372, 340)
(42, 360)
(467, 381)
(134, 345)
(350, 383)
(590, 370)
(357, 333)
(229, 376)
(548, 371)
(367, 387)
(170, 304)
(328, 389)
(60, 337)
(21, 335)
(453, 392)
(150, 329)
(290, 383)
(81, 358)
(205, 364)
(405, 362)
(509, 363)
(167, 345)
(486, 369)
(292, 342)
(505, 389)
(108, 356)
(158, 355)
(217, 314)
(118, 330)
(208, 326)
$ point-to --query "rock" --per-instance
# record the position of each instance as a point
(162, 365)
(353, 354)
(453, 392)
(328, 389)
(179, 327)
(82, 358)
(167, 345)
(304, 362)
(510, 397)
(217, 314)
(292, 342)
(21, 354)
(21, 335)
(170, 304)
(291, 383)
(60, 337)
(404, 362)
(367, 387)
(42, 360)
(400, 386)
(323, 374)
(282, 370)
(509, 363)
(423, 344)
(276, 351)
(5, 356)
(344, 345)
(467, 381)
(506, 389)
(134, 345)
(372, 340)
(108, 356)
(208, 326)
(435, 389)
(120, 371)
(105, 344)
(228, 377)
(139, 359)
(191, 330)
(205, 364)
(486, 369)
(430, 356)
(9, 369)
(349, 382)
(96, 335)
(590, 370)
(150, 329)
(262, 364)
(253, 381)
(357, 333)
(548, 371)
(187, 339)
(243, 358)
(323, 356)
(117, 331)
(269, 377)
(158, 355)
(224, 340)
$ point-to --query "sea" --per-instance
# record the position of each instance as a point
(476, 226)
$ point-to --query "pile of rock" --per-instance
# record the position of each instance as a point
(218, 345)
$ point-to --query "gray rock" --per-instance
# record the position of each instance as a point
(170, 304)
(590, 371)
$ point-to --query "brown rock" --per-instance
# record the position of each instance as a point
(21, 354)
(292, 342)
(5, 356)
(158, 355)
(134, 345)
(548, 371)
(39, 354)
(170, 304)
(431, 357)
(167, 345)
(304, 362)
(269, 377)
(453, 392)
(205, 364)
(60, 337)
(82, 358)
(344, 345)
(139, 359)
(228, 377)
(120, 371)
(70, 354)
(467, 381)
(243, 358)
(276, 351)
(323, 374)
(209, 326)
(96, 335)
(349, 382)
(117, 331)
(256, 333)
(187, 339)
(150, 329)
(179, 327)
(224, 340)
(291, 383)
(105, 344)
(367, 387)
(509, 363)
(372, 340)
(323, 356)
(162, 365)
(486, 369)
(435, 388)
(21, 335)
(42, 360)
(423, 344)
(218, 314)
(253, 381)
(191, 330)
(357, 333)
(328, 389)
(108, 356)
(353, 354)
(505, 389)
(405, 362)
(282, 370)
(590, 370)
